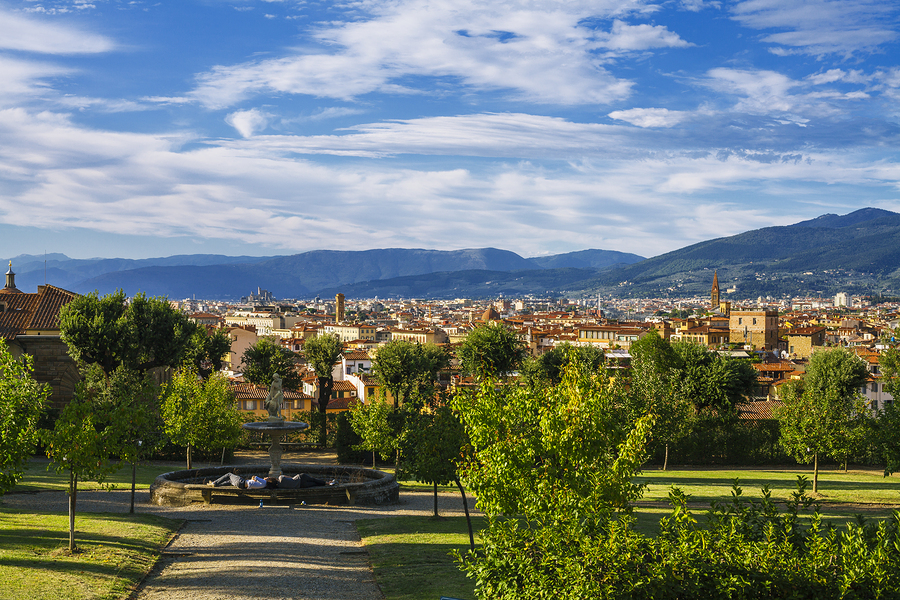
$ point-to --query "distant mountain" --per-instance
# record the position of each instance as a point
(858, 253)
(298, 276)
(586, 259)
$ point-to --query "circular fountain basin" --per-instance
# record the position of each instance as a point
(275, 426)
(353, 485)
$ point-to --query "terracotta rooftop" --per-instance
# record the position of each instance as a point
(24, 312)
(248, 391)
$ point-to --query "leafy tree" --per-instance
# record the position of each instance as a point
(407, 369)
(266, 358)
(373, 423)
(819, 414)
(562, 459)
(656, 388)
(490, 351)
(140, 335)
(432, 444)
(22, 402)
(889, 363)
(712, 381)
(200, 413)
(88, 431)
(548, 368)
(207, 350)
(321, 353)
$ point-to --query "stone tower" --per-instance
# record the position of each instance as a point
(714, 301)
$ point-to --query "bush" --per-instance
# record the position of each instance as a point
(749, 550)
(345, 441)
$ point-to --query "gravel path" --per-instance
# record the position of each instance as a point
(237, 551)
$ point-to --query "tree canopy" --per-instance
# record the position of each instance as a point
(140, 335)
(548, 368)
(321, 353)
(22, 402)
(491, 350)
(407, 369)
(268, 357)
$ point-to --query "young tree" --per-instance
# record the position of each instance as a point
(88, 431)
(656, 388)
(266, 358)
(373, 422)
(22, 402)
(200, 413)
(819, 413)
(712, 381)
(490, 351)
(321, 353)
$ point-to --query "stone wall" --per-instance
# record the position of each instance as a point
(52, 364)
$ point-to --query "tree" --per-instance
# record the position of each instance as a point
(490, 351)
(713, 381)
(22, 402)
(548, 368)
(889, 363)
(819, 414)
(266, 358)
(207, 351)
(200, 413)
(373, 423)
(407, 369)
(88, 431)
(141, 335)
(321, 353)
(656, 388)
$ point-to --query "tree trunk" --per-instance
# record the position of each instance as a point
(468, 518)
(189, 457)
(73, 491)
(816, 473)
(373, 459)
(666, 459)
(436, 515)
(133, 478)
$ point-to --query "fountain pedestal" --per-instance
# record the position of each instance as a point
(275, 428)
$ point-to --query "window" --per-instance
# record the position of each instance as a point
(740, 320)
(875, 388)
(874, 404)
(754, 320)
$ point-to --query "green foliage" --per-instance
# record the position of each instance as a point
(206, 352)
(374, 423)
(548, 368)
(22, 402)
(824, 415)
(712, 381)
(266, 358)
(431, 445)
(748, 550)
(491, 350)
(889, 362)
(321, 353)
(346, 441)
(885, 438)
(408, 370)
(200, 413)
(140, 335)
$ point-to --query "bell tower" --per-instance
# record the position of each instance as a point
(714, 300)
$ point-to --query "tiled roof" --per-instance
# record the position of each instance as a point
(357, 355)
(343, 386)
(758, 410)
(38, 311)
(248, 391)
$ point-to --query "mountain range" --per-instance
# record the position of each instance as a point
(856, 253)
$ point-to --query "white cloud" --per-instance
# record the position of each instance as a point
(627, 37)
(821, 27)
(539, 51)
(650, 117)
(248, 122)
(28, 34)
(20, 78)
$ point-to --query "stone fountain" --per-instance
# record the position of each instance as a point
(276, 426)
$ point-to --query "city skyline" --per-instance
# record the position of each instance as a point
(266, 127)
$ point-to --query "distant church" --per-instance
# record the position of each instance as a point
(715, 301)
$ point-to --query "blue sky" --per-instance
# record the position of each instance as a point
(138, 129)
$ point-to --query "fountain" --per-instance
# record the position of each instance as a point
(276, 426)
(353, 485)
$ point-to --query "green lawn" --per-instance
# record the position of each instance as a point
(37, 477)
(115, 552)
(411, 556)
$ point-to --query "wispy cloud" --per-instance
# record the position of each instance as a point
(537, 51)
(820, 27)
(650, 117)
(248, 122)
(31, 34)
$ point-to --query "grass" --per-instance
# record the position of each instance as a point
(37, 477)
(411, 555)
(114, 553)
(854, 487)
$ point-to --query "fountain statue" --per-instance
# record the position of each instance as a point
(276, 426)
